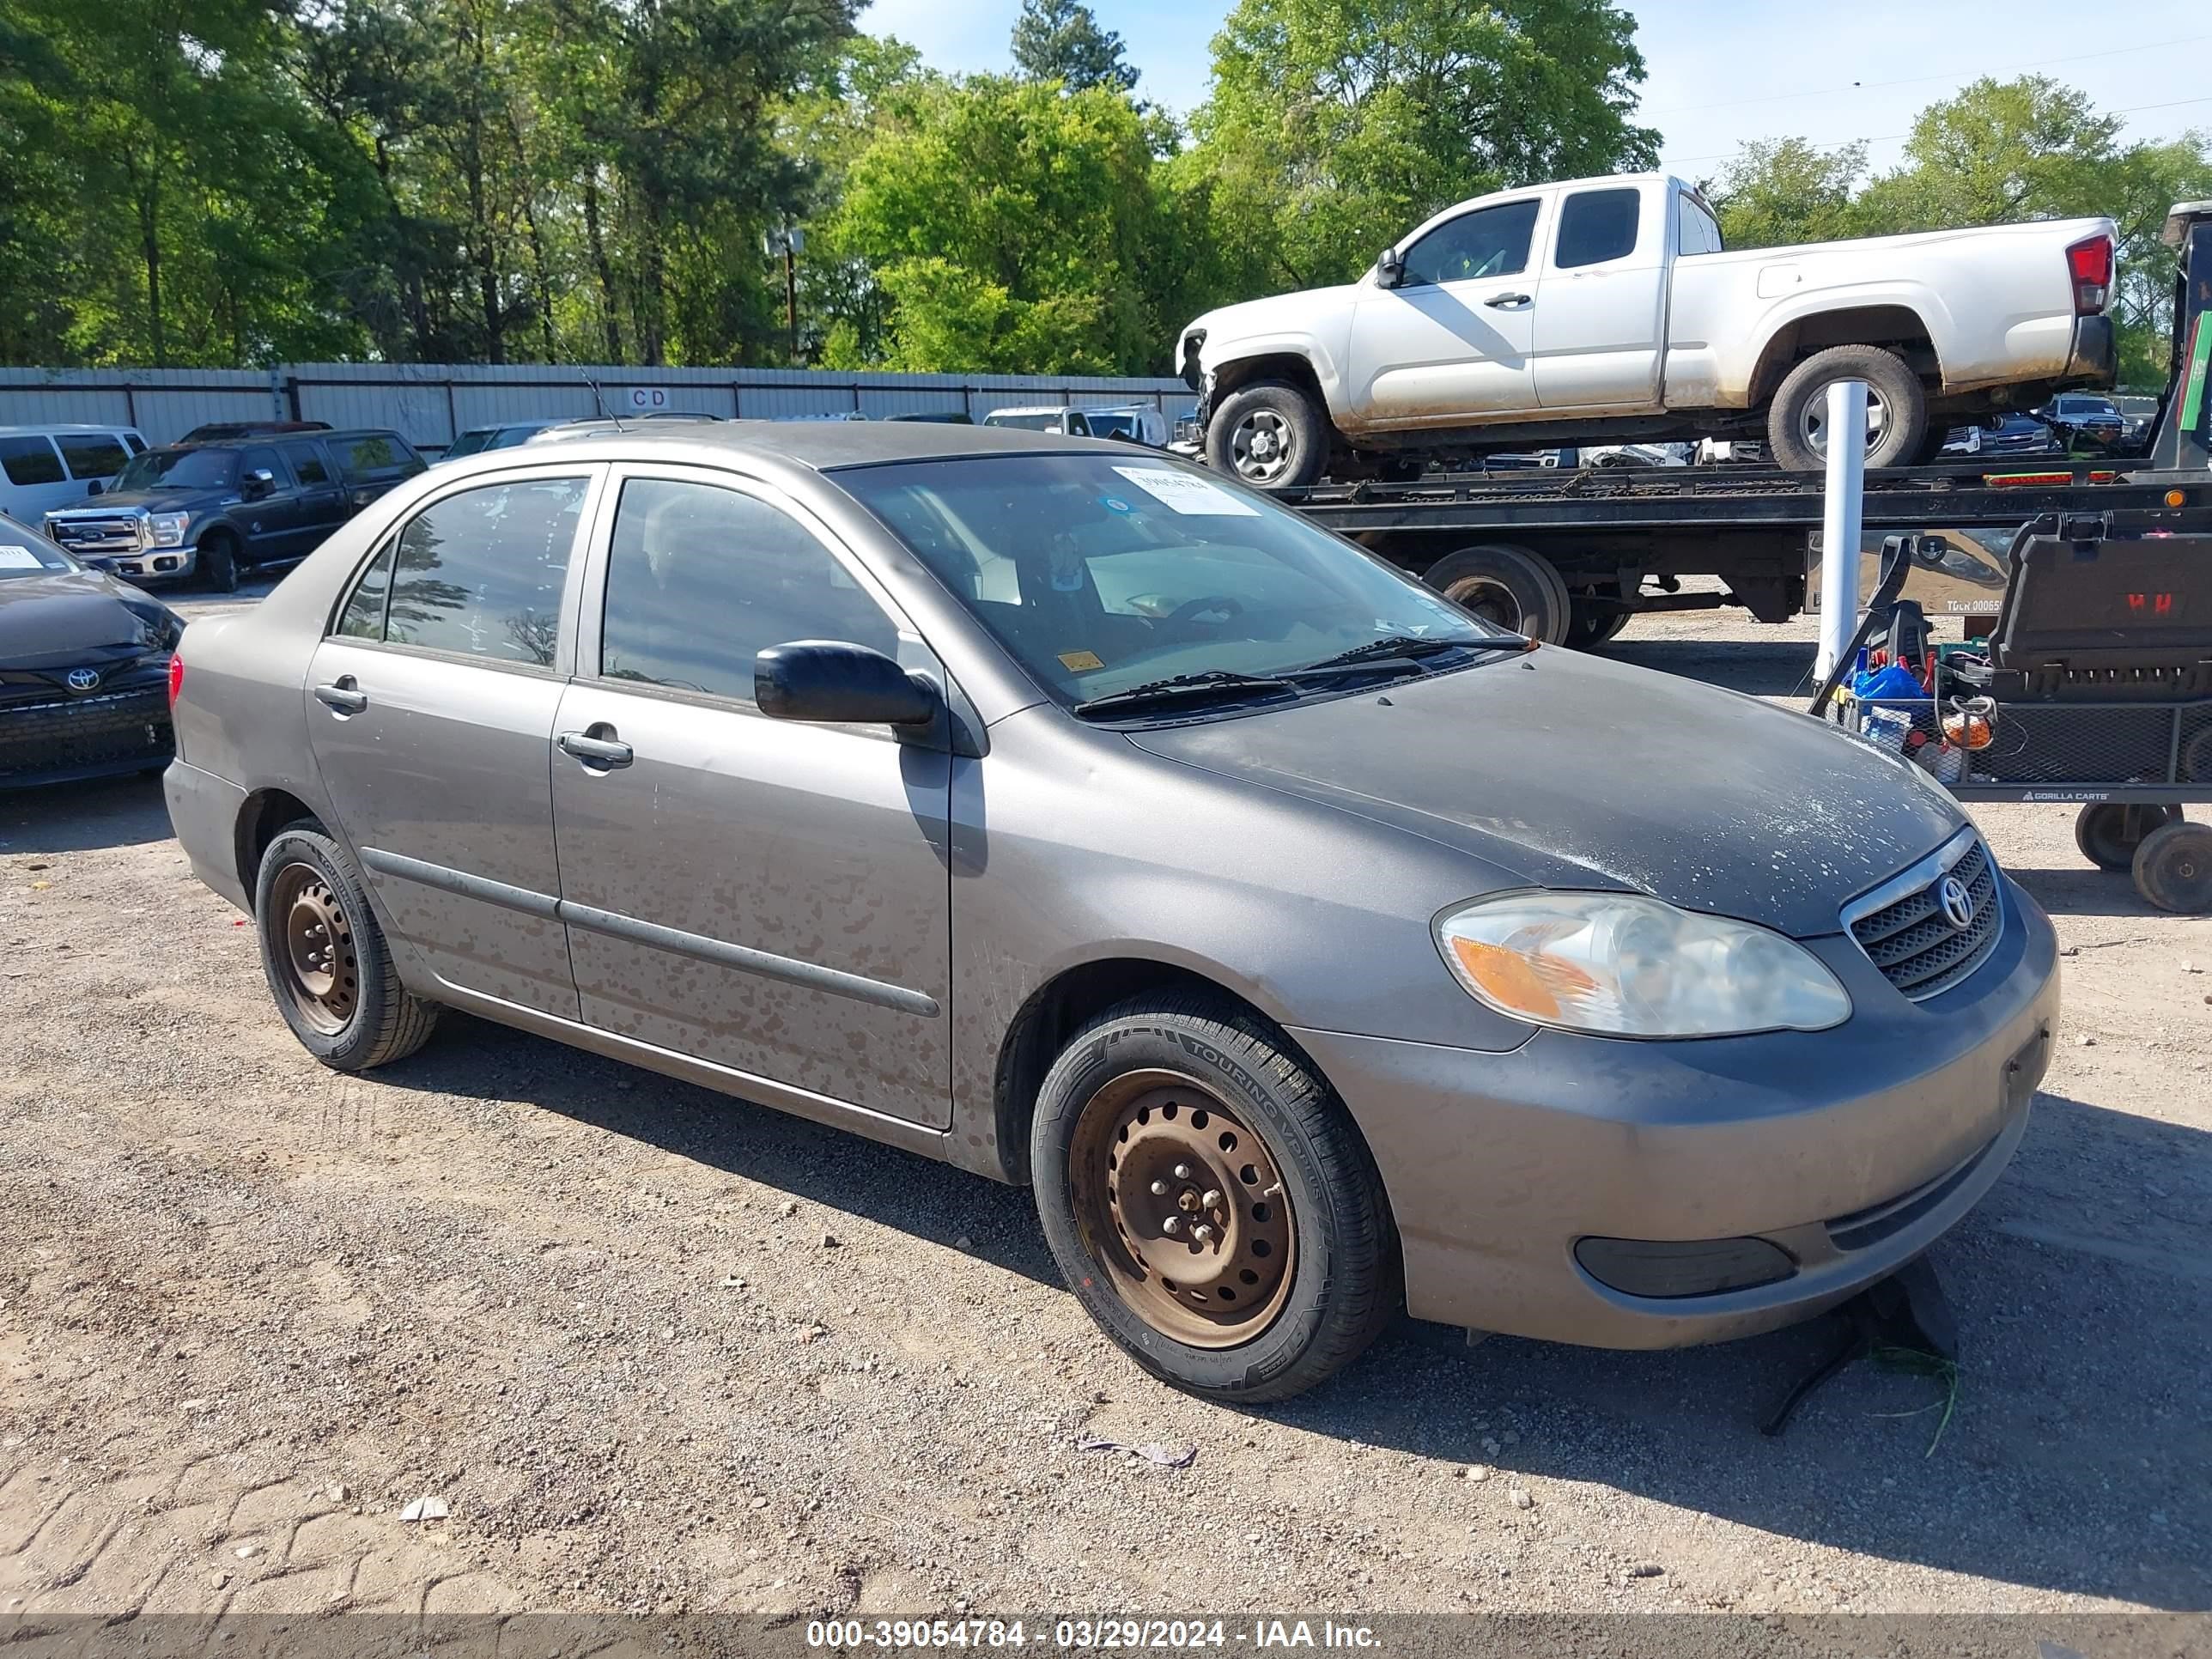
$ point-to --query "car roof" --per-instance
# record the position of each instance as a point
(41, 430)
(817, 445)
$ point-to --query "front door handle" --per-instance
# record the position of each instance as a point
(603, 753)
(1507, 301)
(342, 696)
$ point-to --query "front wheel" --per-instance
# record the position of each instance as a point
(1270, 435)
(1897, 408)
(1210, 1203)
(325, 959)
(218, 562)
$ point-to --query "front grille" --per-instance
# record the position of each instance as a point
(61, 735)
(1919, 948)
(117, 535)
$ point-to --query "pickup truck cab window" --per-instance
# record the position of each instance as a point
(1491, 242)
(308, 463)
(1596, 226)
(1695, 230)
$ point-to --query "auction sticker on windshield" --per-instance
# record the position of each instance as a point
(20, 558)
(1186, 494)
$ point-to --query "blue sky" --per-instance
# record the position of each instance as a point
(1720, 73)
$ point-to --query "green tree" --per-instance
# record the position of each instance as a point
(1010, 222)
(1786, 191)
(1060, 40)
(1336, 125)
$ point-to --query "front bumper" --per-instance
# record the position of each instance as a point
(60, 738)
(1851, 1149)
(155, 564)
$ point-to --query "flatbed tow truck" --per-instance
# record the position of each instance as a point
(1568, 557)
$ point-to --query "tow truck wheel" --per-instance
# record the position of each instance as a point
(2108, 832)
(2174, 867)
(1590, 625)
(1508, 587)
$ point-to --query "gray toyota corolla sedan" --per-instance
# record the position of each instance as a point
(1057, 810)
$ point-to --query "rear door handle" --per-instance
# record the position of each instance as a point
(342, 697)
(1504, 301)
(603, 752)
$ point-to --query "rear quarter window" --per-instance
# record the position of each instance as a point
(378, 455)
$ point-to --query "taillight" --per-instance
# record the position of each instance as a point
(176, 677)
(2090, 264)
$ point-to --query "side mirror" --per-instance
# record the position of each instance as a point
(1390, 267)
(95, 488)
(258, 482)
(828, 680)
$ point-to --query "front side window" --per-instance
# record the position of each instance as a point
(1595, 226)
(700, 579)
(1099, 573)
(92, 455)
(179, 469)
(1491, 241)
(266, 460)
(30, 461)
(480, 574)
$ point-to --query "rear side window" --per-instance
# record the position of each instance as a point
(308, 463)
(1597, 225)
(480, 574)
(1694, 230)
(363, 616)
(92, 455)
(701, 579)
(1489, 242)
(30, 461)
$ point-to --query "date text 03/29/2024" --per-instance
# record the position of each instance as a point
(1085, 1635)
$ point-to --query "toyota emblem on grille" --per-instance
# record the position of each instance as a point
(1958, 903)
(84, 679)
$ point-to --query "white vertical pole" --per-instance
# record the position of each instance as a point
(1840, 522)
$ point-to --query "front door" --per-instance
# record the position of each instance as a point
(771, 897)
(1453, 339)
(322, 497)
(1601, 326)
(431, 707)
(270, 522)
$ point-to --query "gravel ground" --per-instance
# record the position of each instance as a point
(644, 1347)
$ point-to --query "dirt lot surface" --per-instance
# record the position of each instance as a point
(653, 1348)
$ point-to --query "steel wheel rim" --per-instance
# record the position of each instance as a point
(1150, 1149)
(1262, 445)
(1490, 600)
(1813, 421)
(313, 949)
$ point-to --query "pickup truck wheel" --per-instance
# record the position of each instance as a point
(1897, 408)
(1269, 435)
(218, 561)
(1508, 587)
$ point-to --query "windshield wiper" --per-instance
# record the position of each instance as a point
(1407, 646)
(1221, 682)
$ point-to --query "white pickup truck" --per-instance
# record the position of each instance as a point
(1607, 308)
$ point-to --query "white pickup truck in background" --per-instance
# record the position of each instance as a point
(1607, 309)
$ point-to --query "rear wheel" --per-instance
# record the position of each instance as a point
(1210, 1202)
(1508, 587)
(325, 959)
(1897, 408)
(2174, 867)
(1590, 623)
(218, 561)
(2108, 832)
(1270, 435)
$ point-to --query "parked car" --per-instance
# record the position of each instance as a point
(231, 505)
(2013, 435)
(1136, 423)
(505, 435)
(50, 467)
(1044, 418)
(216, 431)
(562, 432)
(1618, 1041)
(2084, 422)
(936, 417)
(1606, 310)
(84, 667)
(1680, 454)
(2141, 413)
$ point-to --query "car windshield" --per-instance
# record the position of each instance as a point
(24, 552)
(1041, 420)
(178, 469)
(1100, 574)
(474, 443)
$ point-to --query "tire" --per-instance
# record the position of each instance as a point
(2108, 833)
(1589, 626)
(1206, 1095)
(218, 561)
(1802, 397)
(2174, 867)
(365, 1019)
(1931, 446)
(1269, 435)
(1507, 586)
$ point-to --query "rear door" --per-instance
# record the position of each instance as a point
(430, 707)
(322, 495)
(771, 897)
(1601, 326)
(1453, 339)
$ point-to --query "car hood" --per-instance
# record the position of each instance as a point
(1572, 772)
(153, 501)
(60, 619)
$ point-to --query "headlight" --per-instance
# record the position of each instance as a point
(167, 529)
(1620, 965)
